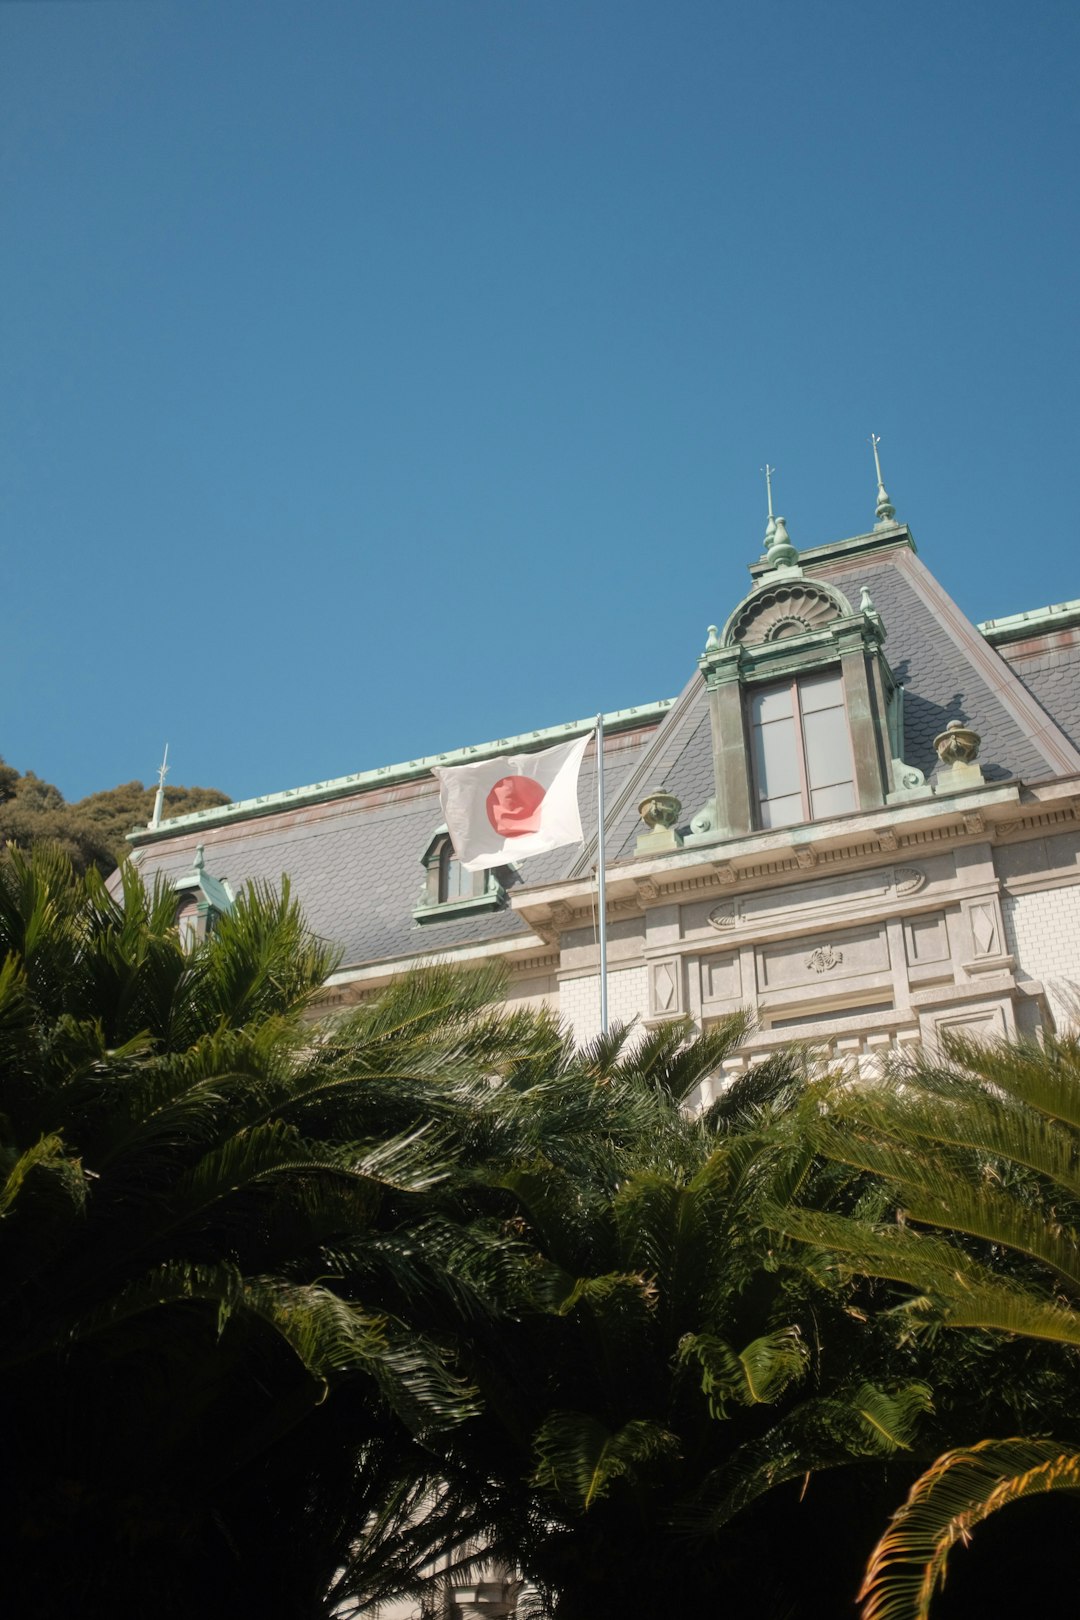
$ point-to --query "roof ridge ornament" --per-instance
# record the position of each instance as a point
(159, 796)
(770, 527)
(886, 511)
(779, 551)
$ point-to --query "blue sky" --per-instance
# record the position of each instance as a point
(383, 377)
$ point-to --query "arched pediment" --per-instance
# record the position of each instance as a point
(782, 608)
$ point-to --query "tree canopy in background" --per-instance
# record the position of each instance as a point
(90, 831)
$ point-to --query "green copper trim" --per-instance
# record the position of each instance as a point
(1017, 626)
(463, 906)
(881, 539)
(341, 787)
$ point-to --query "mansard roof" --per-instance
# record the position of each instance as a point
(354, 858)
(353, 847)
(948, 669)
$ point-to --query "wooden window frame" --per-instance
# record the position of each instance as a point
(794, 684)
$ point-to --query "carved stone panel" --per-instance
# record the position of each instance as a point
(926, 939)
(721, 978)
(818, 961)
(987, 934)
(974, 1023)
(665, 989)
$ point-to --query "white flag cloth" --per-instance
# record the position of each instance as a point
(521, 804)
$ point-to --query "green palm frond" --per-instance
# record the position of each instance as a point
(999, 1218)
(259, 962)
(756, 1375)
(556, 1291)
(944, 1506)
(579, 1459)
(47, 1162)
(1044, 1075)
(673, 1060)
(435, 999)
(901, 1134)
(864, 1421)
(959, 1289)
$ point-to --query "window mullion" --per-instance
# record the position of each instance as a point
(800, 750)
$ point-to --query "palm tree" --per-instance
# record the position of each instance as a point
(655, 1369)
(297, 1316)
(980, 1151)
(209, 1210)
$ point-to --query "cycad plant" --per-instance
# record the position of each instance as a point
(980, 1151)
(209, 1212)
(662, 1384)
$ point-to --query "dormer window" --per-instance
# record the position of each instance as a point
(201, 900)
(453, 882)
(801, 748)
(805, 711)
(449, 890)
(187, 921)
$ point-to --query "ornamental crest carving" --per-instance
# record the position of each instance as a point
(723, 916)
(824, 958)
(775, 610)
(908, 879)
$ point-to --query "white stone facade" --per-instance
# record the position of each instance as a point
(925, 918)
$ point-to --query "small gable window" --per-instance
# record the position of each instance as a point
(200, 900)
(453, 881)
(802, 760)
(449, 890)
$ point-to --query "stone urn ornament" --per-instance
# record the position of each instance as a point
(957, 748)
(957, 744)
(660, 811)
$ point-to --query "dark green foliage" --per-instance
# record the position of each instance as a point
(978, 1155)
(290, 1310)
(92, 831)
(182, 1161)
(659, 1383)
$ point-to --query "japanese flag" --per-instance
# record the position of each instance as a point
(522, 804)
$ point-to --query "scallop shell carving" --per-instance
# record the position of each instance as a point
(791, 608)
(908, 879)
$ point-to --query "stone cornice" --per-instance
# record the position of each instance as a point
(520, 954)
(1032, 624)
(991, 814)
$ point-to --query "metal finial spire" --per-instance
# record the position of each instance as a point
(159, 796)
(770, 527)
(886, 511)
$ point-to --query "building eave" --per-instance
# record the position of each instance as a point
(341, 787)
(858, 840)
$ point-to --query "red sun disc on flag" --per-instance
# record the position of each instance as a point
(513, 805)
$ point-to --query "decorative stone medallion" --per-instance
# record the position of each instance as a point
(824, 958)
(723, 916)
(908, 879)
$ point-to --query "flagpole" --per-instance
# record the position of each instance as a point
(600, 871)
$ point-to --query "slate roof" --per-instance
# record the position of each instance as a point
(945, 665)
(935, 660)
(355, 861)
(1053, 679)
